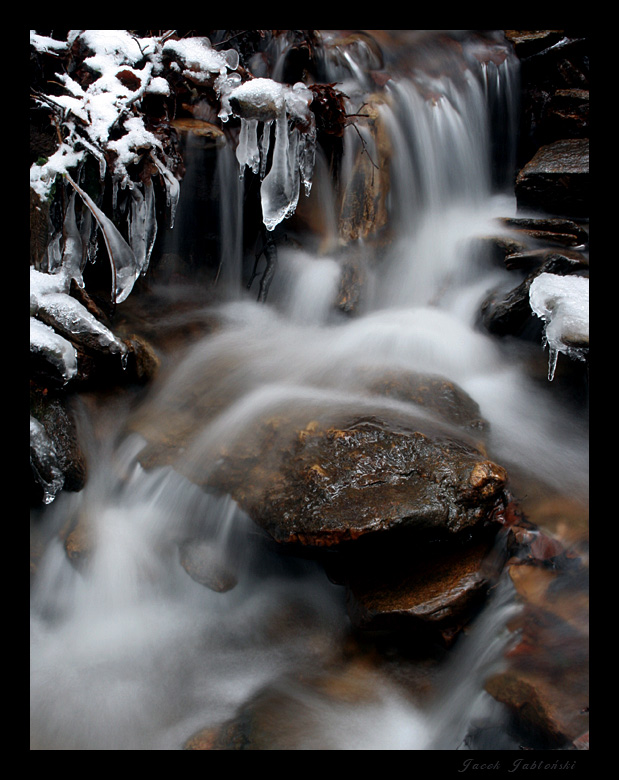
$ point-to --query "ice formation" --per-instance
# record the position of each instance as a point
(44, 461)
(264, 101)
(563, 303)
(56, 317)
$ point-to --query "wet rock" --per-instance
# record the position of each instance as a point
(435, 393)
(433, 593)
(325, 484)
(352, 286)
(142, 360)
(311, 713)
(364, 210)
(198, 128)
(545, 684)
(556, 179)
(206, 563)
(547, 229)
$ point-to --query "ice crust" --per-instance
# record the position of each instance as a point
(562, 302)
(55, 317)
(44, 461)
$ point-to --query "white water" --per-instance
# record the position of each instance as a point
(128, 652)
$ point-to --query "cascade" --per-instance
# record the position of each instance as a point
(131, 647)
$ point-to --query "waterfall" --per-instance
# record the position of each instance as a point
(130, 652)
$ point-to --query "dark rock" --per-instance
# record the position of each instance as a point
(326, 484)
(556, 180)
(432, 392)
(364, 211)
(436, 591)
(142, 361)
(352, 286)
(545, 683)
(289, 714)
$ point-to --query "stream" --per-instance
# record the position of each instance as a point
(128, 652)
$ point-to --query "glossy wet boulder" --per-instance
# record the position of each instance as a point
(322, 484)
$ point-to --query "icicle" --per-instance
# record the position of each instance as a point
(172, 188)
(280, 189)
(307, 156)
(142, 225)
(54, 253)
(553, 354)
(122, 259)
(247, 151)
(73, 251)
(265, 143)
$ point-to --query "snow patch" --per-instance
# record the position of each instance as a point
(563, 303)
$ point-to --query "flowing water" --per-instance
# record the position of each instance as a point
(130, 653)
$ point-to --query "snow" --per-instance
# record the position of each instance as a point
(88, 115)
(125, 68)
(563, 303)
(198, 57)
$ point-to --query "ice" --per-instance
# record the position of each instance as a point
(125, 268)
(173, 188)
(68, 317)
(73, 250)
(56, 349)
(44, 461)
(563, 303)
(279, 192)
(143, 225)
(264, 101)
(59, 316)
(247, 151)
(199, 58)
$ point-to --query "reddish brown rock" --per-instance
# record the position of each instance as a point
(437, 591)
(325, 484)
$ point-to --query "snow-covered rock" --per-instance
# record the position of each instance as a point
(563, 303)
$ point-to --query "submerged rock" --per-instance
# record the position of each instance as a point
(205, 563)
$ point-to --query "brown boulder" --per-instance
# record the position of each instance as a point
(323, 483)
(434, 592)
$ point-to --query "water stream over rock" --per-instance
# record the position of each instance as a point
(296, 536)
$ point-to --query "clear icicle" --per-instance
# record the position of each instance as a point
(247, 151)
(172, 186)
(142, 225)
(280, 189)
(265, 143)
(124, 265)
(73, 250)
